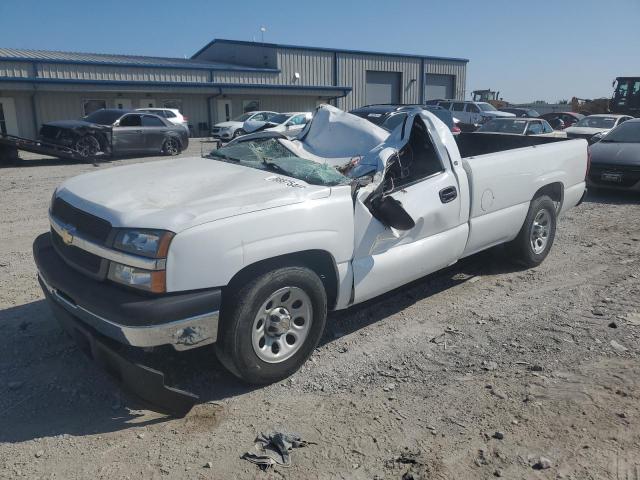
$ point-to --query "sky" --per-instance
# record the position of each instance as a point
(527, 50)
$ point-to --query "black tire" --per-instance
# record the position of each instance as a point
(522, 247)
(87, 147)
(240, 311)
(238, 133)
(171, 146)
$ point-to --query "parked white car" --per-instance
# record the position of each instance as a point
(594, 127)
(520, 126)
(234, 128)
(250, 246)
(473, 113)
(173, 115)
(290, 123)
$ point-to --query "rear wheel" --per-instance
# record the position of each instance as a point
(535, 239)
(87, 147)
(171, 146)
(271, 325)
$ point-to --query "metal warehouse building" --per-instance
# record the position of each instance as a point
(220, 81)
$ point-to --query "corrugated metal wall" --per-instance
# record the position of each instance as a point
(63, 101)
(352, 70)
(113, 73)
(315, 68)
(24, 116)
(14, 69)
(448, 67)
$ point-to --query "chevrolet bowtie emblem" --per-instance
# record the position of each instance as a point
(67, 233)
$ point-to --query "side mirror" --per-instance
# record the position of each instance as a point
(390, 212)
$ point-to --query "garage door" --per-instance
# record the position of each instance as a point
(383, 87)
(439, 86)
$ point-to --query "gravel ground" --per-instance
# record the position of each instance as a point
(479, 371)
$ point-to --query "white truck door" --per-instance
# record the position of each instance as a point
(427, 187)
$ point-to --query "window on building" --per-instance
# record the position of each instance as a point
(250, 105)
(149, 121)
(90, 106)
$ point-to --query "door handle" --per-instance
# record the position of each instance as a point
(448, 194)
(138, 131)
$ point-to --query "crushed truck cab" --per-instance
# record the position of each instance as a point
(250, 246)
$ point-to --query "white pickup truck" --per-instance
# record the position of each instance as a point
(251, 245)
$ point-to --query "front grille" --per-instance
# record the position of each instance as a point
(630, 174)
(216, 130)
(85, 224)
(76, 257)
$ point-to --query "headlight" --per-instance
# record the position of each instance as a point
(148, 243)
(152, 281)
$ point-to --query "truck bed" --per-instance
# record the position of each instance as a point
(474, 144)
(504, 174)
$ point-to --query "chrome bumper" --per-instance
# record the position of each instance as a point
(182, 334)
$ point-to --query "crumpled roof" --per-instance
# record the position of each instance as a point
(335, 136)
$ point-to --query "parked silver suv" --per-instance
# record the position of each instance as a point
(473, 113)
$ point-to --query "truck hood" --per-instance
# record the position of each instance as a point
(182, 193)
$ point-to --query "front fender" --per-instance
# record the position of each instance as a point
(209, 255)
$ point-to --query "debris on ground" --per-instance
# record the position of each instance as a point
(273, 449)
(541, 463)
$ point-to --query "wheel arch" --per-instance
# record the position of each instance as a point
(319, 261)
(555, 191)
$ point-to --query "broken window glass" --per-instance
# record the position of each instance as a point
(269, 154)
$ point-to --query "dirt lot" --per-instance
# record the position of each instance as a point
(416, 383)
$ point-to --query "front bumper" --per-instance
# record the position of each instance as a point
(183, 320)
(142, 381)
(103, 318)
(224, 135)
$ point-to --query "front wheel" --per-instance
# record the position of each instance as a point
(87, 147)
(239, 133)
(171, 146)
(271, 325)
(535, 239)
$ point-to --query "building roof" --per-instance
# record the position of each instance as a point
(322, 49)
(117, 60)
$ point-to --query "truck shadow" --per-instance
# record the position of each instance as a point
(48, 387)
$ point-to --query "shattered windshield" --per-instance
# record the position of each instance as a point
(269, 154)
